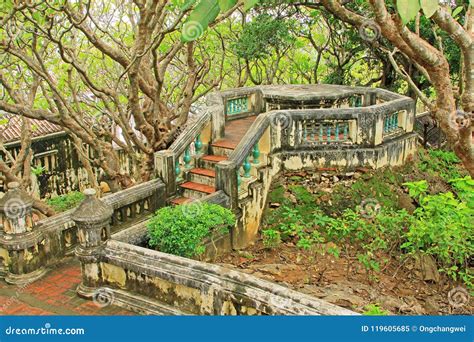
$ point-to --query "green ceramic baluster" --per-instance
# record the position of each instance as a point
(256, 154)
(198, 144)
(177, 168)
(247, 167)
(187, 158)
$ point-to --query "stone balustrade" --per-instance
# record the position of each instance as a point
(28, 248)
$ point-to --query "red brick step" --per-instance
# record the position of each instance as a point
(199, 187)
(214, 159)
(204, 172)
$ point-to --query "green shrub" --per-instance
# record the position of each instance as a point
(66, 202)
(271, 238)
(181, 230)
(374, 310)
(444, 228)
(444, 163)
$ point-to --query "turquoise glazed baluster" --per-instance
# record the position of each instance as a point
(395, 121)
(346, 132)
(337, 132)
(198, 144)
(247, 168)
(321, 132)
(187, 158)
(256, 154)
(177, 168)
(328, 138)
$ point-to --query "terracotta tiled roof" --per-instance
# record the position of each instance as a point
(10, 127)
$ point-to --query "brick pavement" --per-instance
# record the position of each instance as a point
(54, 294)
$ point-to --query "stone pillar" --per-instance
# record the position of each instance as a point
(166, 170)
(21, 245)
(92, 218)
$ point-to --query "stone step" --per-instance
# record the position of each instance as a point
(180, 200)
(221, 151)
(196, 190)
(203, 176)
(210, 161)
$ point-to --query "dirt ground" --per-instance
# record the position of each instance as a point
(397, 289)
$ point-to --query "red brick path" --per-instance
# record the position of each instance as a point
(54, 294)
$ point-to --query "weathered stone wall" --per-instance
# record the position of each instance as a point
(151, 282)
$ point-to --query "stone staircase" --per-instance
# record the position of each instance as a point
(200, 180)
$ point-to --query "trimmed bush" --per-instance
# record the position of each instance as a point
(182, 230)
(66, 202)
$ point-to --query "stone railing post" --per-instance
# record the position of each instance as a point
(226, 180)
(20, 240)
(92, 218)
(166, 170)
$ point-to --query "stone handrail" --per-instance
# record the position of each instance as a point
(189, 134)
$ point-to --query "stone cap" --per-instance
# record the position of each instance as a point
(91, 209)
(15, 199)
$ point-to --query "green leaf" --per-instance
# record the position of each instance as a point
(408, 9)
(248, 4)
(188, 4)
(429, 7)
(199, 19)
(226, 5)
(457, 11)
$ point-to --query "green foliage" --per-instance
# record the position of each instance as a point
(375, 310)
(277, 195)
(262, 36)
(465, 189)
(38, 171)
(408, 9)
(66, 202)
(417, 189)
(271, 238)
(380, 187)
(444, 163)
(181, 230)
(443, 227)
(303, 196)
